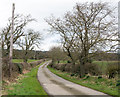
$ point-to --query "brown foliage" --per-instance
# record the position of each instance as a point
(112, 70)
(17, 68)
(68, 67)
(92, 69)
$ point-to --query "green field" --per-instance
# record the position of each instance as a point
(21, 60)
(97, 62)
(62, 62)
(27, 85)
(103, 64)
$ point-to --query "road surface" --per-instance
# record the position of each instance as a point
(55, 85)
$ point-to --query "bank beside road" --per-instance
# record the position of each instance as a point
(55, 85)
(27, 84)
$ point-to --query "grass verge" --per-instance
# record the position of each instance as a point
(27, 85)
(107, 86)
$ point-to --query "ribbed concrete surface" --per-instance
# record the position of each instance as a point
(55, 85)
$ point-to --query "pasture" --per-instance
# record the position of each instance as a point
(21, 60)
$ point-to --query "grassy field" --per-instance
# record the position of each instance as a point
(103, 64)
(104, 85)
(27, 85)
(62, 62)
(21, 60)
(97, 62)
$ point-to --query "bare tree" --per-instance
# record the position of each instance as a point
(28, 42)
(20, 22)
(89, 27)
(57, 54)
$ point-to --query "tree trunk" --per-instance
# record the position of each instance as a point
(72, 59)
(10, 67)
(81, 68)
(25, 57)
(73, 67)
(82, 71)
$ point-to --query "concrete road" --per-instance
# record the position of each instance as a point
(55, 85)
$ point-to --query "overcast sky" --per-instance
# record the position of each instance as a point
(41, 9)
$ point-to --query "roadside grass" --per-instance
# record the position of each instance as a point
(107, 86)
(21, 60)
(27, 84)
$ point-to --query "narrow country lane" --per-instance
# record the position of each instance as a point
(55, 85)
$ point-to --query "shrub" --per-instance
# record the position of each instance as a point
(118, 83)
(33, 64)
(50, 64)
(112, 70)
(62, 68)
(5, 68)
(55, 66)
(68, 67)
(20, 68)
(87, 77)
(68, 61)
(17, 67)
(89, 60)
(76, 68)
(99, 77)
(72, 74)
(76, 74)
(92, 69)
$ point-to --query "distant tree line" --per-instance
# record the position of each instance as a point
(32, 54)
(57, 54)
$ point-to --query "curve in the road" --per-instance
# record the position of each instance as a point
(55, 85)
